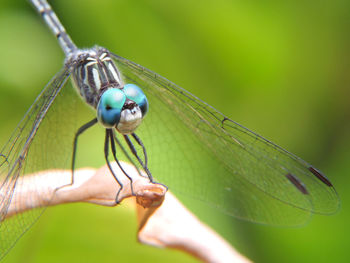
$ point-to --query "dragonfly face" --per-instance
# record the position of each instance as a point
(98, 82)
(123, 108)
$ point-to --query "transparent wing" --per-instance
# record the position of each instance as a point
(197, 151)
(42, 140)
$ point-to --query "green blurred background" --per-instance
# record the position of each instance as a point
(279, 68)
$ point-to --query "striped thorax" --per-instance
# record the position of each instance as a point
(98, 81)
(93, 72)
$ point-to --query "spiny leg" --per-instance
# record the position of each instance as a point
(134, 152)
(75, 143)
(106, 151)
(126, 153)
(114, 152)
(138, 140)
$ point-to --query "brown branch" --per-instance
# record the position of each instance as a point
(163, 220)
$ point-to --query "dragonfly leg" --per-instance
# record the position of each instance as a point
(117, 161)
(144, 165)
(138, 140)
(134, 152)
(106, 150)
(75, 143)
(126, 153)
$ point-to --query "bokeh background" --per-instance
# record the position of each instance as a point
(280, 68)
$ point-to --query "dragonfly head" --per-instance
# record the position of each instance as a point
(122, 108)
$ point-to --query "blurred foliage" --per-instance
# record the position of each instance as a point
(280, 68)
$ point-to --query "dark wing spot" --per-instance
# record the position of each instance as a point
(299, 185)
(320, 176)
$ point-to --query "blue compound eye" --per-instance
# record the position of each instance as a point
(110, 107)
(135, 94)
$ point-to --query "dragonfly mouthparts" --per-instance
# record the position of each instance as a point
(129, 104)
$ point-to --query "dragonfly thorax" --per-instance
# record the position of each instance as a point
(93, 73)
(99, 83)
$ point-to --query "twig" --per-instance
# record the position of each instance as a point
(163, 220)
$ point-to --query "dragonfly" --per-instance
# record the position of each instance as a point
(163, 130)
